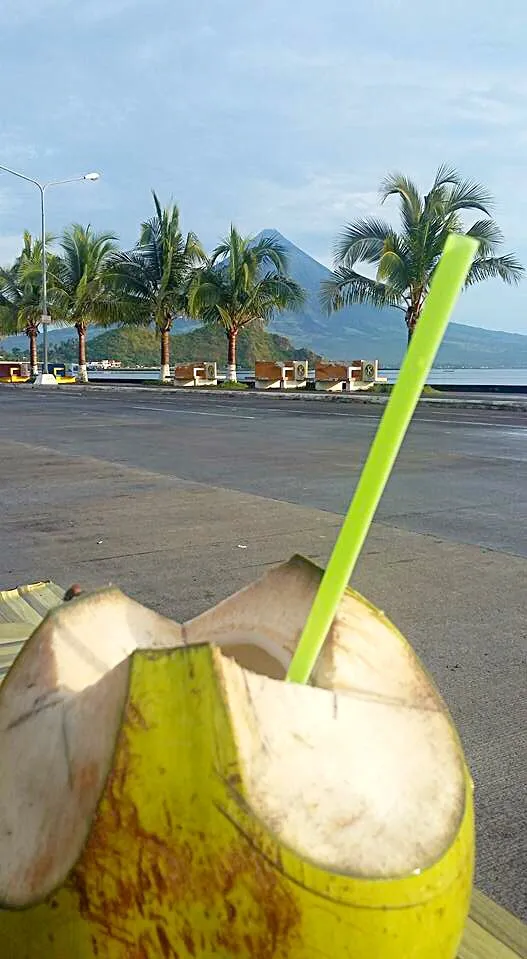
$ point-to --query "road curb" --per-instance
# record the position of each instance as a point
(505, 405)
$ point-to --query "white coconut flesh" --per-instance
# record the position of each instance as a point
(363, 775)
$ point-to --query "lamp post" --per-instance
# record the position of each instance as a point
(45, 378)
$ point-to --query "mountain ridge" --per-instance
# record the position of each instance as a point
(136, 346)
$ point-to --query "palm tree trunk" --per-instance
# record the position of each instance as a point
(33, 358)
(164, 374)
(231, 356)
(83, 368)
(411, 322)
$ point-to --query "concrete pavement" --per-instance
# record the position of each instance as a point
(185, 500)
(459, 475)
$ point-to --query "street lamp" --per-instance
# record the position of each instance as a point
(45, 378)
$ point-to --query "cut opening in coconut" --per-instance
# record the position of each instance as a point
(364, 775)
(260, 626)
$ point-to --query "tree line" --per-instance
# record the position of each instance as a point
(246, 281)
(167, 275)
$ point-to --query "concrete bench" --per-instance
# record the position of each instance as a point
(14, 372)
(339, 377)
(196, 374)
(62, 376)
(335, 377)
(280, 376)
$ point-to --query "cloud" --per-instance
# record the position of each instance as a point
(319, 201)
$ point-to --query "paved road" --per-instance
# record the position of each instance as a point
(461, 475)
(157, 493)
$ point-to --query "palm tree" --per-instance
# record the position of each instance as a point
(405, 261)
(244, 282)
(81, 290)
(21, 295)
(154, 277)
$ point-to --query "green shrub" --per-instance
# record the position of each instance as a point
(232, 385)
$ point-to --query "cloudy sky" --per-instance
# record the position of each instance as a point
(271, 114)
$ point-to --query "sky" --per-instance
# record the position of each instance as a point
(275, 114)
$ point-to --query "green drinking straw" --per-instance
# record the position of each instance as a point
(449, 277)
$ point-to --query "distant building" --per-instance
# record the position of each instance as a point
(104, 365)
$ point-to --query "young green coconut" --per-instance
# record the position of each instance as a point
(165, 793)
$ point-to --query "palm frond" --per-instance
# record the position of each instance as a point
(469, 195)
(396, 184)
(488, 235)
(446, 175)
(10, 322)
(20, 296)
(222, 315)
(268, 250)
(9, 285)
(231, 252)
(152, 246)
(128, 276)
(362, 241)
(193, 250)
(393, 271)
(348, 288)
(222, 251)
(507, 268)
(280, 291)
(157, 204)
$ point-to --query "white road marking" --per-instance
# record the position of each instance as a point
(417, 419)
(362, 416)
(453, 422)
(159, 409)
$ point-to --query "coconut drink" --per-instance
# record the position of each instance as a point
(165, 793)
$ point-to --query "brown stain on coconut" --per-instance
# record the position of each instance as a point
(86, 778)
(40, 869)
(186, 904)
